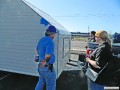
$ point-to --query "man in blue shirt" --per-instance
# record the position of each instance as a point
(45, 50)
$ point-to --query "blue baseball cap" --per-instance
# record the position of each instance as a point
(51, 29)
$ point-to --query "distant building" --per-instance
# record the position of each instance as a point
(79, 34)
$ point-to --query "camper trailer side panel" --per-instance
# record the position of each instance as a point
(64, 50)
(20, 31)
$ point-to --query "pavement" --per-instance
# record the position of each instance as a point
(70, 79)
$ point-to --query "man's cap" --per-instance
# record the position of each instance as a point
(51, 29)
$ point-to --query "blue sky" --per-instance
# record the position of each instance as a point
(83, 15)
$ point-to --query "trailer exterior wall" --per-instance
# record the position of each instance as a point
(20, 31)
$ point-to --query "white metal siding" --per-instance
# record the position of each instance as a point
(19, 33)
(63, 59)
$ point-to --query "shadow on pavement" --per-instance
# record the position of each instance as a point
(18, 82)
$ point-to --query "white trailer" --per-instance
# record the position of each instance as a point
(20, 31)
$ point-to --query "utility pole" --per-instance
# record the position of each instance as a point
(88, 28)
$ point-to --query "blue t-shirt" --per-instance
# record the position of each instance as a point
(46, 46)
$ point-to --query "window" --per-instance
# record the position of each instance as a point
(66, 46)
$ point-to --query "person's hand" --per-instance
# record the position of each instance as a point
(96, 66)
(93, 63)
(87, 59)
(43, 63)
(36, 58)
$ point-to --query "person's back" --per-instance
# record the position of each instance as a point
(43, 44)
(45, 49)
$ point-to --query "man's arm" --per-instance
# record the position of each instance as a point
(93, 63)
(36, 57)
(37, 51)
(47, 57)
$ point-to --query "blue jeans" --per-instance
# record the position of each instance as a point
(48, 77)
(94, 86)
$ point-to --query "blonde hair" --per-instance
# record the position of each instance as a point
(103, 35)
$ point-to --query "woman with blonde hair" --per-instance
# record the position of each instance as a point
(99, 58)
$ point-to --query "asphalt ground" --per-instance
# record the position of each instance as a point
(69, 80)
(17, 82)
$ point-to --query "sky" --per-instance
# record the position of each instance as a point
(83, 15)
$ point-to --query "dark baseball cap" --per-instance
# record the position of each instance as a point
(51, 29)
